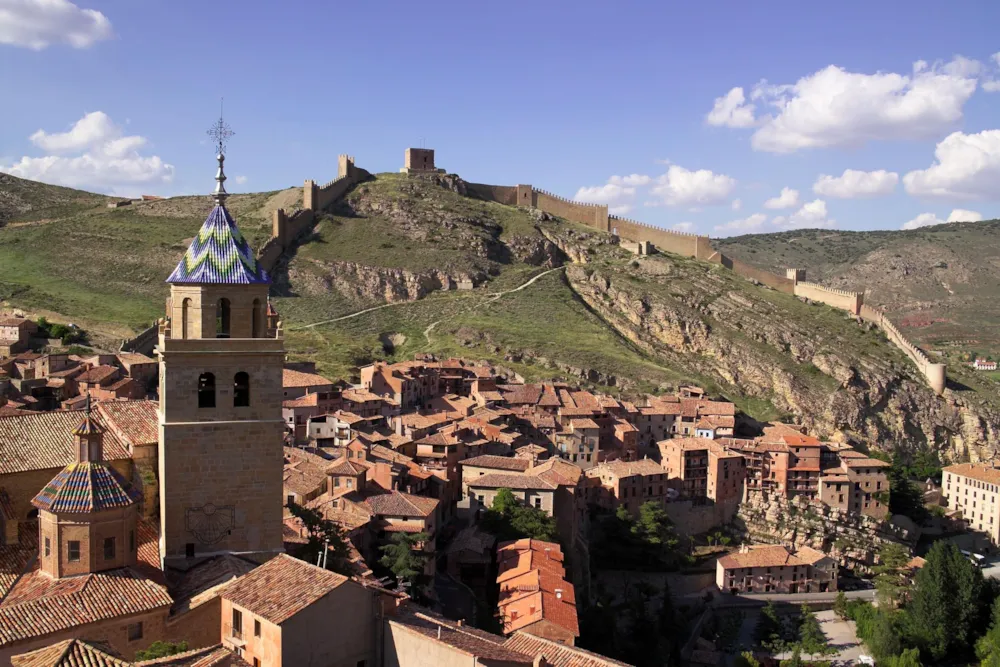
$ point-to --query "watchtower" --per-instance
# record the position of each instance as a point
(419, 160)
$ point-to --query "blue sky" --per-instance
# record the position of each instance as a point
(563, 95)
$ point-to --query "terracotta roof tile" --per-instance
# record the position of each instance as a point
(397, 503)
(496, 480)
(629, 468)
(39, 605)
(466, 639)
(98, 374)
(556, 654)
(43, 440)
(297, 379)
(282, 587)
(770, 555)
(70, 653)
(498, 462)
(979, 471)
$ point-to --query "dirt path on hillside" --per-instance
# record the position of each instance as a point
(493, 297)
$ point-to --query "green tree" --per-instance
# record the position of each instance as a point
(405, 557)
(322, 535)
(988, 646)
(795, 660)
(812, 641)
(655, 530)
(945, 603)
(908, 658)
(890, 574)
(905, 497)
(768, 630)
(508, 519)
(883, 634)
(160, 649)
(840, 605)
(746, 659)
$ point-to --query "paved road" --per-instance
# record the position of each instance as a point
(840, 636)
(725, 599)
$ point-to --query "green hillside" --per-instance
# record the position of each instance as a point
(594, 314)
(940, 284)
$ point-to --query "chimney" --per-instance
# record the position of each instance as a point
(459, 622)
(439, 632)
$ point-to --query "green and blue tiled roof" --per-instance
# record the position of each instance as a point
(219, 254)
(86, 487)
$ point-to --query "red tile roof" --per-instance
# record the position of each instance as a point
(298, 379)
(556, 654)
(397, 503)
(70, 653)
(43, 440)
(496, 480)
(282, 587)
(498, 462)
(98, 374)
(39, 605)
(463, 638)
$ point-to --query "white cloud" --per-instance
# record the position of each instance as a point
(36, 24)
(788, 198)
(854, 184)
(964, 215)
(991, 84)
(621, 209)
(967, 166)
(834, 107)
(743, 224)
(683, 187)
(631, 180)
(736, 205)
(611, 194)
(812, 215)
(93, 154)
(683, 227)
(731, 110)
(923, 220)
(240, 180)
(957, 215)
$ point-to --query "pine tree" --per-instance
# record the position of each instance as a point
(322, 535)
(404, 557)
(840, 605)
(988, 646)
(890, 574)
(812, 641)
(945, 604)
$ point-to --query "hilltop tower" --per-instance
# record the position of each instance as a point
(221, 429)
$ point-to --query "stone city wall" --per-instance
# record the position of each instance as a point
(143, 342)
(774, 281)
(935, 373)
(501, 194)
(679, 243)
(591, 215)
(849, 301)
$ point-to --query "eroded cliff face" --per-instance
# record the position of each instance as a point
(853, 540)
(375, 283)
(840, 378)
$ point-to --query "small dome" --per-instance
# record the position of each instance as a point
(86, 487)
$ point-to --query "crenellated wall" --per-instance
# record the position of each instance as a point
(592, 215)
(679, 243)
(849, 301)
(935, 373)
(143, 342)
(287, 228)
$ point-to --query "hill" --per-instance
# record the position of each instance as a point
(404, 265)
(939, 284)
(26, 201)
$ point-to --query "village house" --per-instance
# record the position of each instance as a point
(701, 469)
(775, 569)
(983, 365)
(15, 332)
(972, 489)
(534, 594)
(627, 483)
(279, 614)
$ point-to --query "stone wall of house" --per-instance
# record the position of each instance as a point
(853, 540)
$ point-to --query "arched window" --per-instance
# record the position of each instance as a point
(241, 390)
(185, 310)
(256, 319)
(206, 390)
(222, 319)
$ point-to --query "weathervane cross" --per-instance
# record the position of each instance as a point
(220, 133)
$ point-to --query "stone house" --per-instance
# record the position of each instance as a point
(629, 483)
(281, 614)
(534, 594)
(775, 569)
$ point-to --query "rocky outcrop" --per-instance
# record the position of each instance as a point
(684, 314)
(853, 540)
(361, 281)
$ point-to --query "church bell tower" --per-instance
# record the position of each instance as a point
(220, 448)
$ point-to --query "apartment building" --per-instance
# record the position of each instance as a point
(972, 489)
(772, 568)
